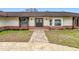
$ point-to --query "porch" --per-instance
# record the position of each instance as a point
(50, 22)
(38, 22)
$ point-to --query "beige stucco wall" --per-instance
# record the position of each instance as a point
(46, 21)
(14, 21)
(9, 21)
(31, 21)
(2, 21)
(67, 21)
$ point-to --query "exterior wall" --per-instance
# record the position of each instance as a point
(31, 21)
(2, 21)
(9, 21)
(57, 18)
(67, 21)
(14, 21)
(46, 21)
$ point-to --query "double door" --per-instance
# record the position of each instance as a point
(39, 22)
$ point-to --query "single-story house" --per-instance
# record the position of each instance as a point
(30, 20)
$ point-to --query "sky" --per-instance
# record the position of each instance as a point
(41, 9)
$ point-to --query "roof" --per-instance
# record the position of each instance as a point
(37, 14)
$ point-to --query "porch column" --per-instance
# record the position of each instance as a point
(78, 21)
(75, 22)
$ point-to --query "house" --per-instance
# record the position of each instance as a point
(30, 20)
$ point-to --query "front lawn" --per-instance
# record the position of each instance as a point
(64, 37)
(15, 35)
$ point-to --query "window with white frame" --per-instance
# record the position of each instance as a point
(58, 22)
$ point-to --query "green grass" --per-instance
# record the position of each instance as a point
(64, 37)
(15, 35)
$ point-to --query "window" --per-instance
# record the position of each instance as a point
(50, 22)
(58, 22)
(23, 21)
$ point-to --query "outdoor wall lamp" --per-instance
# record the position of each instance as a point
(31, 18)
(46, 19)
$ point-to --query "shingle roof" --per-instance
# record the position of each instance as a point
(37, 14)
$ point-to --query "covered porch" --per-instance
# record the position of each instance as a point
(47, 22)
(75, 22)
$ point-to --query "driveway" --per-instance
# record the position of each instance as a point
(23, 46)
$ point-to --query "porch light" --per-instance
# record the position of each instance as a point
(46, 18)
(31, 18)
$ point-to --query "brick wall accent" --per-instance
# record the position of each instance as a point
(32, 27)
(13, 28)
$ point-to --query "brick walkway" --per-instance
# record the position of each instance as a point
(38, 36)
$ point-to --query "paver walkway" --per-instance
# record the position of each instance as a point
(38, 36)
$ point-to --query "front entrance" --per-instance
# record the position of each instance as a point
(39, 22)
